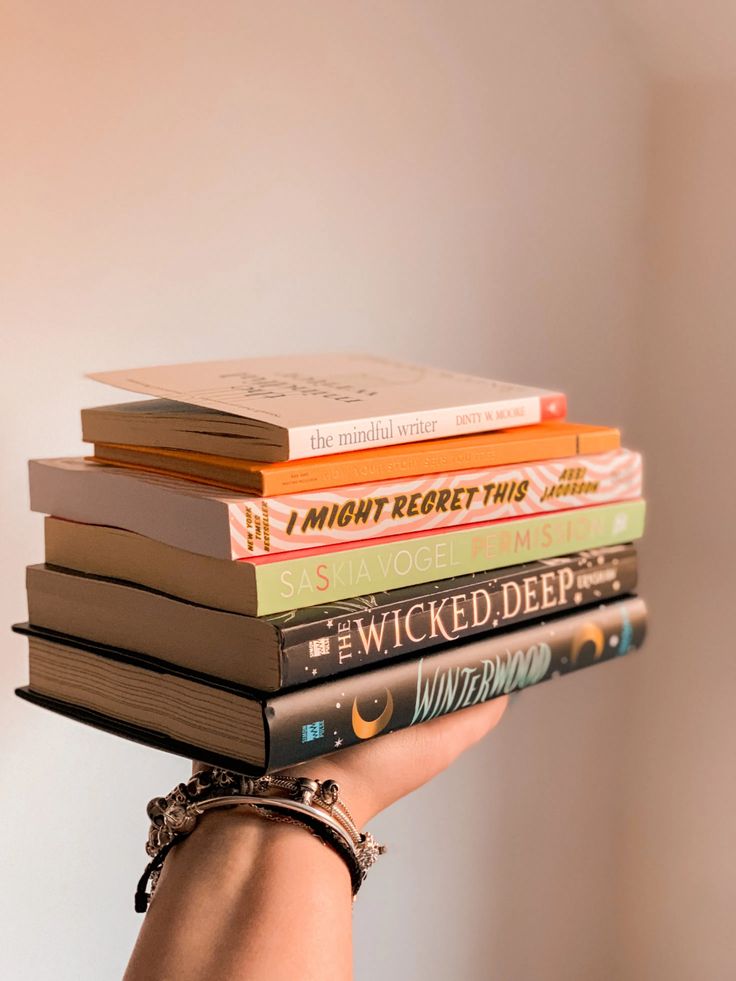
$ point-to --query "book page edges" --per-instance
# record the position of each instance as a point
(179, 708)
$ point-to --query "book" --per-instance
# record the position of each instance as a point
(314, 643)
(282, 408)
(287, 580)
(545, 441)
(205, 519)
(198, 716)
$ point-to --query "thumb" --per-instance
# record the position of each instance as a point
(438, 743)
(400, 762)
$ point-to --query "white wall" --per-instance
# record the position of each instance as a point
(678, 892)
(460, 183)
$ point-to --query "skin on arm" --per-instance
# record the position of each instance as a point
(245, 898)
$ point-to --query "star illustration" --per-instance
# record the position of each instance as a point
(314, 671)
(338, 743)
(329, 624)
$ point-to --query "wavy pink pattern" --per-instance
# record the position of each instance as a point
(618, 474)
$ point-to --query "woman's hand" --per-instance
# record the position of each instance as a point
(245, 898)
(376, 773)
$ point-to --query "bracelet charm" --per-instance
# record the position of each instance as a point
(312, 804)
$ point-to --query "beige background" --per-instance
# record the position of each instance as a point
(539, 191)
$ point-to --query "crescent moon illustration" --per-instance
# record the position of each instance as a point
(365, 728)
(589, 633)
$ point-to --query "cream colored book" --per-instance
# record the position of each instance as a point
(297, 407)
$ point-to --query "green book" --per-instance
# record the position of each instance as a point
(288, 581)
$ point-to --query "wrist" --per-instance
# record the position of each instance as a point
(240, 875)
(303, 802)
(234, 845)
(355, 793)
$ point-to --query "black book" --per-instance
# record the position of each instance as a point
(196, 715)
(284, 650)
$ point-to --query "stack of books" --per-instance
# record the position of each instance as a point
(271, 559)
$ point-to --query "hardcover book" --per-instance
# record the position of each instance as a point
(214, 521)
(283, 408)
(545, 441)
(287, 580)
(314, 643)
(198, 716)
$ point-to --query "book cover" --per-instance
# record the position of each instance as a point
(300, 725)
(200, 518)
(545, 441)
(358, 512)
(319, 575)
(332, 403)
(360, 706)
(319, 642)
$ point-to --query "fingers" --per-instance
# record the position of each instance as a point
(425, 750)
(379, 771)
(443, 740)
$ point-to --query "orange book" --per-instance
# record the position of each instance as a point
(544, 441)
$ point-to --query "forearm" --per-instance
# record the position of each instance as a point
(243, 897)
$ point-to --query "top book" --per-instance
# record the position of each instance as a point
(286, 408)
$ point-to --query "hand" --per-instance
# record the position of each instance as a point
(272, 896)
(374, 774)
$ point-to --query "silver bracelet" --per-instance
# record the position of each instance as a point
(312, 804)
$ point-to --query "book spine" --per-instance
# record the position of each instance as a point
(360, 706)
(441, 500)
(410, 427)
(371, 632)
(317, 576)
(437, 456)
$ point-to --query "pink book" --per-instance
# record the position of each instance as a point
(205, 519)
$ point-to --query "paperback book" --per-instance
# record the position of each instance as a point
(291, 407)
(545, 441)
(205, 519)
(285, 581)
